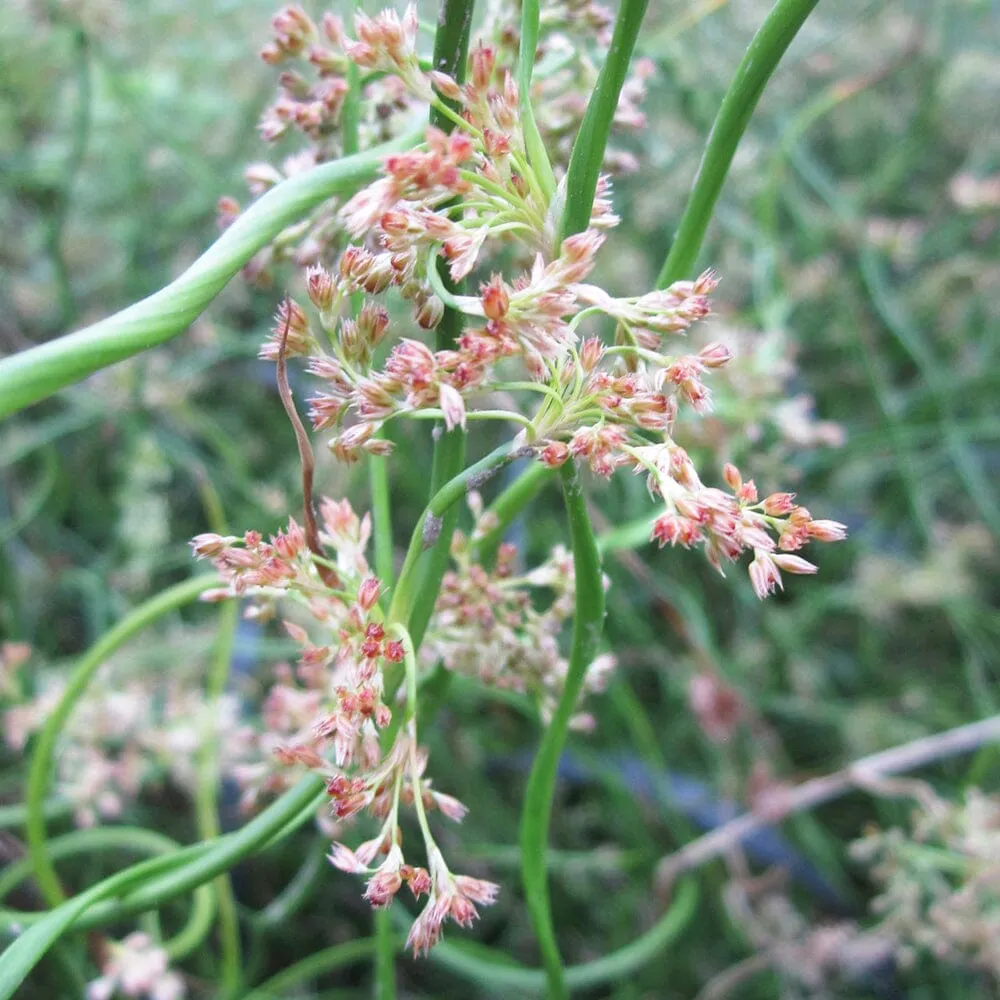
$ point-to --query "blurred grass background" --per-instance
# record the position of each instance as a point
(858, 230)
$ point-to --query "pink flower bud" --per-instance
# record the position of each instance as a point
(554, 454)
(373, 320)
(445, 85)
(321, 287)
(591, 352)
(452, 406)
(428, 314)
(715, 355)
(368, 592)
(732, 476)
(494, 298)
(794, 564)
(827, 531)
(209, 545)
(779, 504)
(482, 61)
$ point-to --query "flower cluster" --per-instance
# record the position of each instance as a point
(128, 732)
(136, 967)
(461, 196)
(583, 375)
(486, 626)
(940, 881)
(330, 712)
(381, 76)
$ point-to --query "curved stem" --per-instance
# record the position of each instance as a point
(32, 375)
(451, 47)
(591, 141)
(759, 62)
(619, 965)
(42, 759)
(315, 965)
(588, 623)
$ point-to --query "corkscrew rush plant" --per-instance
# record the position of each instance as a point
(477, 225)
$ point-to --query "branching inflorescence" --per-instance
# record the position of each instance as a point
(529, 356)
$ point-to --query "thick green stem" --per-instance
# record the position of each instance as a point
(451, 47)
(587, 626)
(34, 374)
(429, 528)
(129, 839)
(378, 478)
(761, 59)
(588, 621)
(592, 139)
(507, 506)
(42, 759)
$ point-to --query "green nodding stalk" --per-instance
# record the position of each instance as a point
(43, 754)
(451, 51)
(761, 58)
(538, 158)
(38, 372)
(592, 140)
(588, 623)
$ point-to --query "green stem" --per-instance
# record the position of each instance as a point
(451, 48)
(759, 62)
(591, 141)
(150, 883)
(315, 965)
(621, 965)
(42, 759)
(36, 373)
(507, 506)
(406, 596)
(588, 624)
(538, 158)
(207, 798)
(378, 477)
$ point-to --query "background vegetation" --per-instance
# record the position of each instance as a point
(859, 231)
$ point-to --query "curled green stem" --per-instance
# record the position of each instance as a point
(32, 375)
